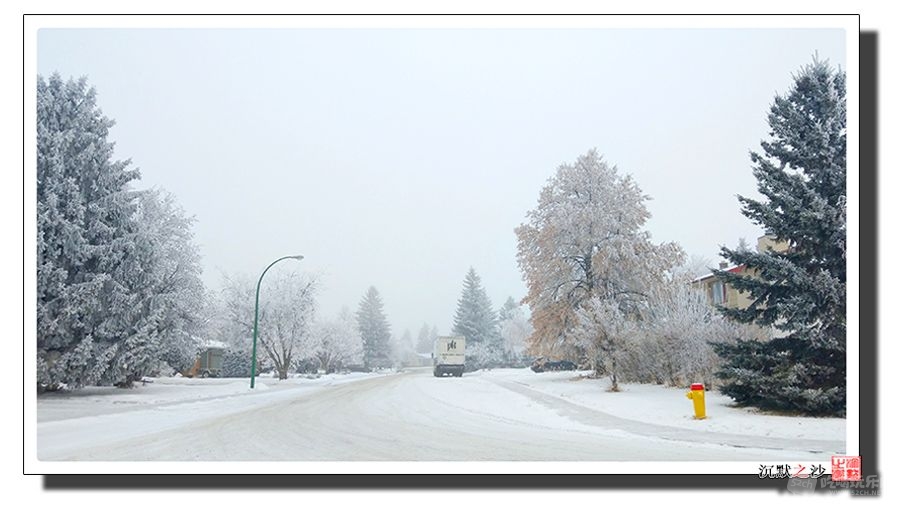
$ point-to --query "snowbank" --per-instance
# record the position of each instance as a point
(669, 407)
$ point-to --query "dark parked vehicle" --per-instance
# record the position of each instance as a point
(541, 364)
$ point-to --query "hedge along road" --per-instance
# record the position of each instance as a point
(416, 417)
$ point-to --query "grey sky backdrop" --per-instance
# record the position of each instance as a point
(399, 158)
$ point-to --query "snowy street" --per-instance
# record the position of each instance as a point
(499, 415)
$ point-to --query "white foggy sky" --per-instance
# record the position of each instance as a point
(400, 157)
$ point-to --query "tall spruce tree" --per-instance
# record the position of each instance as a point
(85, 236)
(477, 322)
(801, 291)
(118, 273)
(507, 310)
(424, 343)
(374, 330)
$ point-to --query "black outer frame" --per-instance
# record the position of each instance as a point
(868, 371)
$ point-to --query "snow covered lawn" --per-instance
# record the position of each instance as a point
(661, 405)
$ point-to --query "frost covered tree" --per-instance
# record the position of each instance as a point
(695, 267)
(337, 341)
(514, 331)
(287, 308)
(425, 340)
(374, 330)
(583, 255)
(84, 233)
(476, 321)
(234, 326)
(224, 320)
(509, 307)
(164, 292)
(403, 349)
(285, 320)
(604, 331)
(117, 270)
(801, 173)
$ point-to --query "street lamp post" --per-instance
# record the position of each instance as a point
(256, 316)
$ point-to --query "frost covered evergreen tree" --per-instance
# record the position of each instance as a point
(85, 235)
(509, 307)
(476, 320)
(118, 274)
(584, 255)
(374, 330)
(425, 341)
(801, 172)
(165, 292)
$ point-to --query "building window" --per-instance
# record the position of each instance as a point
(718, 292)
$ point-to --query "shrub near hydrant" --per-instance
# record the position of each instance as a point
(236, 363)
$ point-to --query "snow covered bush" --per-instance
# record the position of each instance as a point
(667, 341)
(483, 356)
(236, 362)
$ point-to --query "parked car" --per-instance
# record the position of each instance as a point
(542, 364)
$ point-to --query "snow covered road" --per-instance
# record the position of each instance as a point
(413, 416)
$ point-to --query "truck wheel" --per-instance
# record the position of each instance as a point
(205, 374)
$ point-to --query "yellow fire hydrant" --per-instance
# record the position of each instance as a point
(696, 395)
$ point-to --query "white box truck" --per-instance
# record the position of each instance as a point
(449, 355)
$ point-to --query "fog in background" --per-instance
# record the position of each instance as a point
(401, 157)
